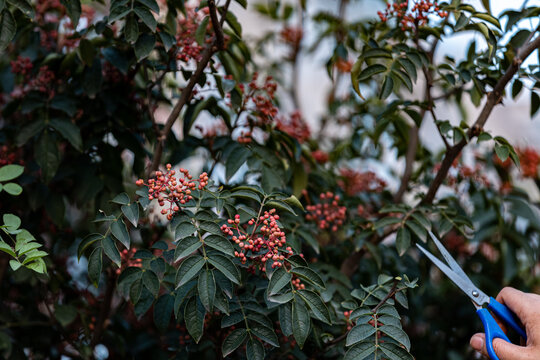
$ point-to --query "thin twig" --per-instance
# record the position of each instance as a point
(446, 144)
(391, 293)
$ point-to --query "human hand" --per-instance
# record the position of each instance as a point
(527, 309)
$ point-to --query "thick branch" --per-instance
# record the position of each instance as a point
(493, 98)
(220, 41)
(185, 95)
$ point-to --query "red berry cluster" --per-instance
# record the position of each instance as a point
(349, 322)
(292, 36)
(175, 191)
(294, 126)
(327, 214)
(44, 82)
(344, 66)
(245, 137)
(354, 182)
(260, 239)
(476, 174)
(529, 159)
(320, 156)
(22, 66)
(128, 261)
(298, 284)
(8, 156)
(259, 99)
(414, 17)
(188, 47)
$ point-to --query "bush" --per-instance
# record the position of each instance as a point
(260, 237)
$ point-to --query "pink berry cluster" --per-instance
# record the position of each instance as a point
(349, 322)
(320, 156)
(22, 66)
(327, 214)
(176, 191)
(292, 35)
(44, 82)
(188, 47)
(298, 284)
(258, 98)
(261, 239)
(10, 156)
(529, 159)
(127, 260)
(295, 126)
(413, 16)
(354, 182)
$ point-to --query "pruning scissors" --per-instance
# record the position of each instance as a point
(483, 303)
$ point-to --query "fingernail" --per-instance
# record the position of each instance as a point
(477, 342)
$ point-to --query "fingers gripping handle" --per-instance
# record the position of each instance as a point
(492, 331)
(506, 315)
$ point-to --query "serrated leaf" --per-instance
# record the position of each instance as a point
(395, 352)
(131, 29)
(194, 314)
(403, 240)
(183, 230)
(371, 71)
(122, 199)
(144, 46)
(280, 278)
(151, 282)
(254, 350)
(226, 267)
(300, 323)
(131, 212)
(189, 268)
(87, 241)
(110, 249)
(316, 305)
(233, 341)
(146, 16)
(95, 263)
(206, 287)
(219, 243)
(8, 28)
(265, 333)
(359, 333)
(186, 247)
(387, 88)
(285, 319)
(502, 152)
(308, 275)
(417, 229)
(247, 194)
(163, 309)
(360, 351)
(119, 231)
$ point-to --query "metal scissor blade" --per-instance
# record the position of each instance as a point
(449, 259)
(476, 295)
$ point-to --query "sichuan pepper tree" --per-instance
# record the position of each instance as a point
(285, 239)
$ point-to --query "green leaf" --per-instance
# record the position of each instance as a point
(73, 9)
(47, 156)
(25, 6)
(535, 103)
(131, 29)
(403, 240)
(226, 267)
(33, 255)
(69, 131)
(194, 317)
(280, 278)
(144, 45)
(280, 205)
(151, 4)
(386, 221)
(265, 333)
(87, 241)
(371, 71)
(233, 341)
(12, 222)
(7, 249)
(151, 282)
(147, 18)
(95, 263)
(285, 319)
(316, 304)
(309, 275)
(210, 227)
(122, 199)
(387, 87)
(397, 334)
(65, 314)
(486, 17)
(281, 298)
(200, 33)
(417, 229)
(219, 243)
(163, 309)
(119, 231)
(409, 67)
(395, 352)
(188, 269)
(186, 247)
(13, 189)
(235, 160)
(183, 230)
(247, 194)
(8, 28)
(206, 287)
(131, 212)
(300, 323)
(254, 350)
(487, 6)
(110, 249)
(360, 351)
(231, 19)
(146, 300)
(92, 78)
(502, 152)
(422, 219)
(358, 333)
(10, 172)
(484, 137)
(87, 52)
(14, 264)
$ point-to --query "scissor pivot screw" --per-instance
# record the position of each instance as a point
(475, 293)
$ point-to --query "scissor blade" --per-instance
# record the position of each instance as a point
(463, 283)
(449, 259)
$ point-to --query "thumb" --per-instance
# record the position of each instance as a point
(503, 349)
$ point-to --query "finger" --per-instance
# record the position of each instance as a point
(514, 299)
(503, 349)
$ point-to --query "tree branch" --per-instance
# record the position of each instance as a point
(185, 95)
(220, 41)
(493, 98)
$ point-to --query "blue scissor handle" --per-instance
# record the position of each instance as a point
(492, 331)
(506, 315)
